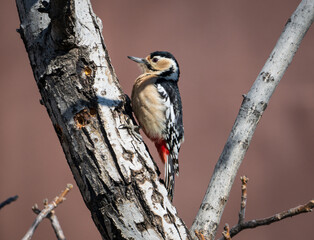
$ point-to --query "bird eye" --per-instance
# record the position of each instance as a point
(155, 59)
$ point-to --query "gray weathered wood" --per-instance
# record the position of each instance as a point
(115, 173)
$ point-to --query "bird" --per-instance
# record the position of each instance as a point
(157, 106)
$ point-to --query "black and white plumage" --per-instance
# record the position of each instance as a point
(174, 131)
(157, 106)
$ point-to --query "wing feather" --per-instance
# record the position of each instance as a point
(174, 133)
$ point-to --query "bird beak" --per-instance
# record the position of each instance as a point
(138, 60)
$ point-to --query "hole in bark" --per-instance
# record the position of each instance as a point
(93, 111)
(88, 71)
(83, 117)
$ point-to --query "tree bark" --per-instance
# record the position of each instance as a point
(252, 108)
(114, 171)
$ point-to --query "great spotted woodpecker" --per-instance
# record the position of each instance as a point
(156, 103)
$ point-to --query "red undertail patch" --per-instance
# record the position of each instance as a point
(162, 150)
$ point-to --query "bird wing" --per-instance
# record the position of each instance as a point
(174, 134)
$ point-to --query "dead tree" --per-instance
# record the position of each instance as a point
(114, 171)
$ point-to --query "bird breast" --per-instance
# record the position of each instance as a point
(148, 107)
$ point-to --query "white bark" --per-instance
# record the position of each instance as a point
(252, 108)
(115, 173)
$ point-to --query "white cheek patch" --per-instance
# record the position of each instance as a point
(174, 65)
(174, 75)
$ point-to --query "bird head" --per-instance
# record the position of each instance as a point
(161, 63)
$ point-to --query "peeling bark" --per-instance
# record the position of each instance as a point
(115, 173)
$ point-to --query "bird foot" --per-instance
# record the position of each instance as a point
(132, 129)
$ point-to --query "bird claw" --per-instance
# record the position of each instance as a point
(133, 130)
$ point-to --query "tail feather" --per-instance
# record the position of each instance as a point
(169, 176)
(171, 166)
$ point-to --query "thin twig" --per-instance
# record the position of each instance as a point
(226, 232)
(57, 227)
(47, 210)
(53, 219)
(8, 201)
(260, 222)
(275, 218)
(244, 181)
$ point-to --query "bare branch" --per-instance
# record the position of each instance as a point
(275, 218)
(244, 181)
(252, 109)
(260, 222)
(226, 232)
(46, 211)
(8, 201)
(53, 219)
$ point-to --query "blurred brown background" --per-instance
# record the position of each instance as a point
(221, 46)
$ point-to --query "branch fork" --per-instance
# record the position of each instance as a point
(228, 233)
(48, 212)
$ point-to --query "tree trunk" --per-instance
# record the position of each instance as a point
(114, 171)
